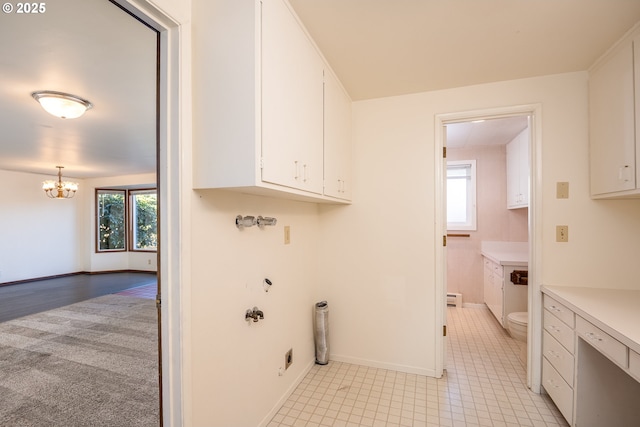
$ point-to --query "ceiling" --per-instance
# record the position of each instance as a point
(378, 48)
(485, 132)
(382, 48)
(92, 49)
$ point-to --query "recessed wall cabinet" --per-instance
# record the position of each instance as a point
(614, 114)
(265, 116)
(518, 171)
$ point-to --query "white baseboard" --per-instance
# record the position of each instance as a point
(473, 305)
(382, 365)
(265, 421)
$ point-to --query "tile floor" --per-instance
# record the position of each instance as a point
(484, 385)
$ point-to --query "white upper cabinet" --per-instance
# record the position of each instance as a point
(613, 114)
(518, 171)
(260, 112)
(292, 102)
(337, 139)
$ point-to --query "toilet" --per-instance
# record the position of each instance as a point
(517, 325)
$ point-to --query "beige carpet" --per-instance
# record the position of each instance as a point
(93, 363)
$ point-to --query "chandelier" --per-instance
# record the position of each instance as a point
(60, 189)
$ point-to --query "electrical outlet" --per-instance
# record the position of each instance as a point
(562, 190)
(562, 233)
(287, 234)
(288, 359)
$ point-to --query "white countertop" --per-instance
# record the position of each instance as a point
(506, 253)
(615, 311)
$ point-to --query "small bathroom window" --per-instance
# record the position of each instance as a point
(461, 195)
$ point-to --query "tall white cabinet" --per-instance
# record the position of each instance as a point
(614, 117)
(337, 139)
(270, 118)
(292, 102)
(518, 171)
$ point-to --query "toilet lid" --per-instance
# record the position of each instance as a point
(521, 317)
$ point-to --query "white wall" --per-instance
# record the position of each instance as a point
(378, 254)
(42, 237)
(235, 363)
(39, 236)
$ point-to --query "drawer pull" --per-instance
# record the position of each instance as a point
(556, 309)
(553, 354)
(592, 336)
(554, 328)
(553, 384)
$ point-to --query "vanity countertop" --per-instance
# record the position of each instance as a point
(613, 310)
(506, 253)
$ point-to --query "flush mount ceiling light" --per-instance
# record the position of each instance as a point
(60, 189)
(60, 104)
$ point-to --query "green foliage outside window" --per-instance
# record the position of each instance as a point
(145, 213)
(111, 220)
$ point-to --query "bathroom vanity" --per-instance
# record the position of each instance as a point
(591, 354)
(504, 261)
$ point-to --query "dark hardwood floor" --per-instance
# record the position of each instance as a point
(33, 297)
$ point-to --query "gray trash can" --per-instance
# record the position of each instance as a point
(321, 332)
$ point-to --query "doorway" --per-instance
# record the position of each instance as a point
(164, 141)
(462, 125)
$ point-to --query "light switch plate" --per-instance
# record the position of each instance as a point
(562, 190)
(562, 233)
(287, 234)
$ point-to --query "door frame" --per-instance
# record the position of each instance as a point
(534, 350)
(173, 131)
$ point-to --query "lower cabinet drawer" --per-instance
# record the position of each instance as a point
(558, 389)
(559, 357)
(634, 364)
(605, 343)
(559, 310)
(559, 330)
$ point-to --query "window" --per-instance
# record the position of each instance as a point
(127, 219)
(111, 211)
(461, 195)
(144, 220)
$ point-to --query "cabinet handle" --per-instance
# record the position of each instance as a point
(553, 354)
(623, 173)
(304, 175)
(556, 309)
(341, 186)
(297, 171)
(593, 337)
(552, 383)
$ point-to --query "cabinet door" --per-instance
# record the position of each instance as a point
(611, 124)
(292, 104)
(337, 139)
(513, 186)
(518, 171)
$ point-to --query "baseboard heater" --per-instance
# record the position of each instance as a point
(454, 300)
